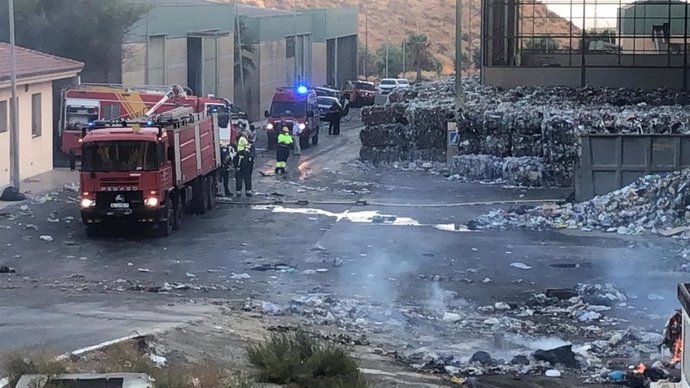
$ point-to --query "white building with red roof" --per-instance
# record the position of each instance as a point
(36, 72)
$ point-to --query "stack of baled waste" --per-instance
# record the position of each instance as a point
(522, 124)
(409, 131)
(651, 203)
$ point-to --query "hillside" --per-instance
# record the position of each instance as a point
(436, 18)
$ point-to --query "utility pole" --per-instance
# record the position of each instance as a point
(454, 127)
(404, 58)
(14, 111)
(366, 41)
(239, 50)
(294, 26)
(387, 46)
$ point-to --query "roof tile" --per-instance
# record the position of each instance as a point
(31, 63)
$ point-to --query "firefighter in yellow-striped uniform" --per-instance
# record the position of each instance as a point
(244, 165)
(283, 150)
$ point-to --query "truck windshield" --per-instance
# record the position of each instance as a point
(78, 117)
(288, 108)
(364, 86)
(119, 156)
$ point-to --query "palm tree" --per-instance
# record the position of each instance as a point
(418, 51)
(247, 51)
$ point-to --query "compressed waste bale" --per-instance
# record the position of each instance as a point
(386, 135)
(378, 115)
(523, 171)
(478, 167)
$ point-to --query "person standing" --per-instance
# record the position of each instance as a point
(295, 138)
(244, 165)
(225, 166)
(335, 112)
(283, 150)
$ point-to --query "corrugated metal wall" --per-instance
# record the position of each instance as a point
(610, 162)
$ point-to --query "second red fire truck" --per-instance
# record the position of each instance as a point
(84, 104)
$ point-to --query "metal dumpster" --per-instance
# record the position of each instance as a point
(609, 162)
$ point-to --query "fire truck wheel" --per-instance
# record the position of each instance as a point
(211, 192)
(166, 227)
(271, 142)
(179, 212)
(315, 139)
(199, 196)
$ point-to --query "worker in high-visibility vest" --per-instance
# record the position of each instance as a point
(244, 166)
(283, 150)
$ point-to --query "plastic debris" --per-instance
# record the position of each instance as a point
(240, 276)
(269, 308)
(654, 297)
(552, 373)
(158, 360)
(46, 238)
(451, 317)
(616, 376)
(520, 265)
(650, 203)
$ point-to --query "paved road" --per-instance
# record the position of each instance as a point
(72, 292)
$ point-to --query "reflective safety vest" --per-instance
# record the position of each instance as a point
(285, 139)
(242, 144)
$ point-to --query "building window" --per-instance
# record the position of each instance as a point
(4, 117)
(36, 115)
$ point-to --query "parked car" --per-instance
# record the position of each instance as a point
(403, 83)
(323, 91)
(387, 85)
(325, 104)
(359, 93)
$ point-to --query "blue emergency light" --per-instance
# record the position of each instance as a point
(301, 89)
(149, 123)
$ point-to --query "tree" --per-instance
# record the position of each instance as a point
(394, 60)
(543, 44)
(419, 54)
(247, 50)
(90, 31)
(477, 58)
(369, 58)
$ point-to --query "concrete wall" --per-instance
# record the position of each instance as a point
(226, 66)
(647, 78)
(176, 58)
(134, 63)
(271, 72)
(318, 64)
(35, 152)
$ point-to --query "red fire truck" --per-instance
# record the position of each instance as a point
(149, 172)
(87, 103)
(294, 105)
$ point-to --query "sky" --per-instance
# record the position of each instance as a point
(598, 13)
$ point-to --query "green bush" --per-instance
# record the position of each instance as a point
(15, 365)
(299, 359)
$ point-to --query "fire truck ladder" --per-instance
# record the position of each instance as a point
(176, 116)
(145, 89)
(171, 93)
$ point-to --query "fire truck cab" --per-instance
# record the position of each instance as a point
(294, 105)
